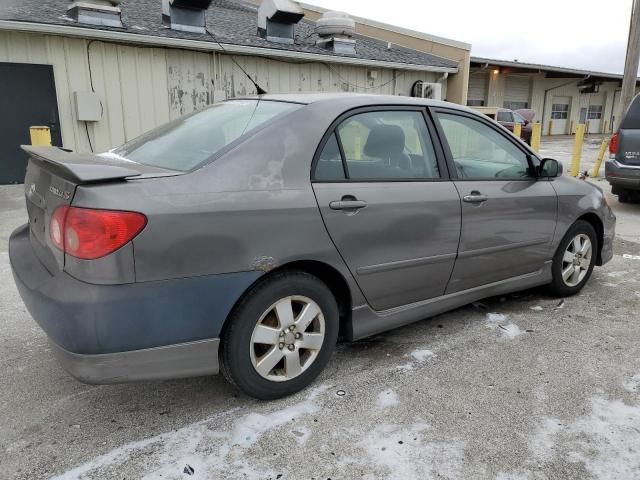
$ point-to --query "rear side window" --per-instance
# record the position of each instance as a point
(190, 141)
(386, 145)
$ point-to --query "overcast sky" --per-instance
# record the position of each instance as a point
(587, 34)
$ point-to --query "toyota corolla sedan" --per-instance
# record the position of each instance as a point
(249, 236)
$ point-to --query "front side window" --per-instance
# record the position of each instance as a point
(388, 145)
(480, 152)
(192, 140)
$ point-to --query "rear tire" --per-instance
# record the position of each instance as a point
(280, 336)
(574, 260)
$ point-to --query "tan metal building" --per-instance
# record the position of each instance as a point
(561, 97)
(143, 71)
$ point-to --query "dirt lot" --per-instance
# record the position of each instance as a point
(519, 387)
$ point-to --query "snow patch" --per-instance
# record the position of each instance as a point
(395, 450)
(606, 441)
(633, 385)
(387, 398)
(418, 356)
(503, 325)
(537, 308)
(631, 257)
(212, 453)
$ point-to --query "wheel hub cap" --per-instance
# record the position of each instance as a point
(287, 338)
(577, 260)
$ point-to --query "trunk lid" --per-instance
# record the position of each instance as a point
(52, 177)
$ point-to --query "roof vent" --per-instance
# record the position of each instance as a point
(104, 13)
(185, 15)
(277, 20)
(335, 30)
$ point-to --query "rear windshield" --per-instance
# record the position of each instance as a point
(192, 140)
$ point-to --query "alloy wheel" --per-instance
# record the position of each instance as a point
(576, 260)
(287, 338)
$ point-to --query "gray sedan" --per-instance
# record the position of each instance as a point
(249, 236)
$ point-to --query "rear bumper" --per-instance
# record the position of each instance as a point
(174, 361)
(621, 176)
(102, 331)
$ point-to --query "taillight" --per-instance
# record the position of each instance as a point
(613, 144)
(89, 234)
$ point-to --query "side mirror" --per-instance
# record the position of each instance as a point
(550, 168)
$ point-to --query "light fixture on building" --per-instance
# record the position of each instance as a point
(496, 71)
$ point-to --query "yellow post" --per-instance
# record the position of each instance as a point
(517, 130)
(605, 129)
(550, 127)
(536, 135)
(40, 136)
(577, 150)
(603, 149)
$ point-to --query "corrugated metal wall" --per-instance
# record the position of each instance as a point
(141, 88)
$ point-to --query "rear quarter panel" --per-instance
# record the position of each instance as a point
(251, 210)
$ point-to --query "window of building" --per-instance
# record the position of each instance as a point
(475, 103)
(595, 112)
(559, 111)
(511, 105)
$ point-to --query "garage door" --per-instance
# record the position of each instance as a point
(28, 99)
(517, 91)
(477, 92)
(560, 113)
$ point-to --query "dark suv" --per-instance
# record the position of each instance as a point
(623, 168)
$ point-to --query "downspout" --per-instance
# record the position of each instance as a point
(442, 81)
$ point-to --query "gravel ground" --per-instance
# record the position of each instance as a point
(518, 387)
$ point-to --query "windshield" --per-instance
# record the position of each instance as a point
(192, 140)
(519, 118)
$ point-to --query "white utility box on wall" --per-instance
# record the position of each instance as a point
(88, 106)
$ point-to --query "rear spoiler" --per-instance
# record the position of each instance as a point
(83, 167)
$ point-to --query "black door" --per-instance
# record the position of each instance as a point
(27, 98)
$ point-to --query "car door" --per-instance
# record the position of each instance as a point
(508, 215)
(383, 191)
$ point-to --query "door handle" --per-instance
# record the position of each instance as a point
(475, 197)
(348, 202)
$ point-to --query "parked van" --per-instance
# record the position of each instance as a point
(623, 168)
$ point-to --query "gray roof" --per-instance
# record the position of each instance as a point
(232, 22)
(545, 68)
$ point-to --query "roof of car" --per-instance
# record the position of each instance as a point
(232, 22)
(359, 98)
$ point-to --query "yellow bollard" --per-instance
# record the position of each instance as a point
(550, 127)
(605, 129)
(603, 149)
(577, 150)
(536, 135)
(517, 130)
(40, 136)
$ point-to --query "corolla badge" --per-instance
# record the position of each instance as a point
(59, 193)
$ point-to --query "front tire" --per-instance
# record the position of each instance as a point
(574, 260)
(280, 336)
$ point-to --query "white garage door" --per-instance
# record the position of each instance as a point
(477, 93)
(560, 113)
(517, 91)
